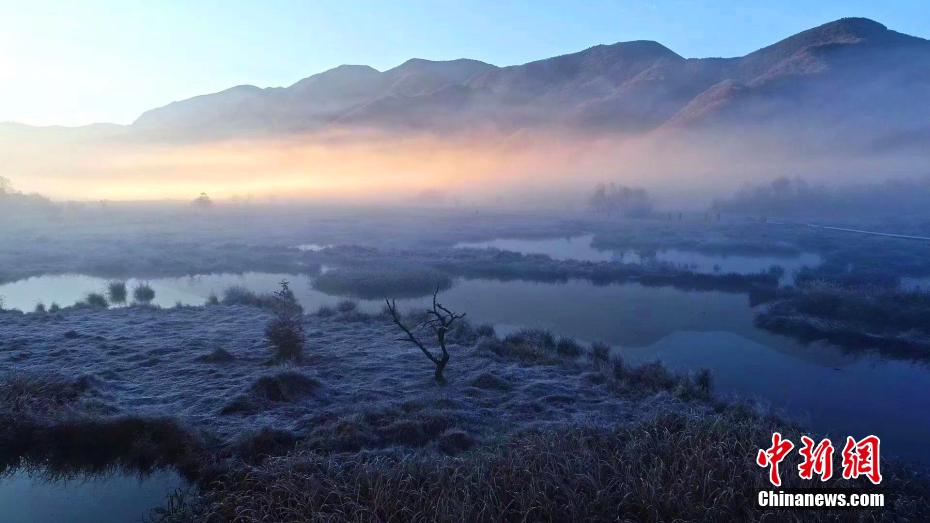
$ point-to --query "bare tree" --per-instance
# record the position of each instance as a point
(438, 320)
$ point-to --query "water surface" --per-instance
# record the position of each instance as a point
(580, 248)
(30, 497)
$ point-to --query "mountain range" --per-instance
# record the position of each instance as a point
(852, 81)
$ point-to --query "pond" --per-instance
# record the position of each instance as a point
(30, 497)
(581, 248)
(821, 386)
(68, 289)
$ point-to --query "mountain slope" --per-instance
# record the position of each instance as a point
(852, 78)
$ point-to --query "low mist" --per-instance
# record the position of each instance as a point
(528, 168)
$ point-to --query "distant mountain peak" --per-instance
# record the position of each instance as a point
(641, 48)
(853, 25)
(843, 69)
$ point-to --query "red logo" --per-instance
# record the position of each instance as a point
(816, 460)
(860, 458)
(774, 455)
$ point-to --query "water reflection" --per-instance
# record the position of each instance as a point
(580, 248)
(68, 289)
(30, 497)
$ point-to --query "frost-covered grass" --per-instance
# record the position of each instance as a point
(195, 363)
(359, 430)
(892, 320)
(669, 467)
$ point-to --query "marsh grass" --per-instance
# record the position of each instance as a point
(80, 446)
(673, 467)
(266, 391)
(39, 394)
(892, 320)
(44, 425)
(237, 295)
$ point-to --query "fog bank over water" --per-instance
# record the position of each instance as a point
(527, 168)
(843, 103)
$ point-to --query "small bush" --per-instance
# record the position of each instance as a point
(485, 331)
(40, 308)
(98, 300)
(219, 355)
(600, 352)
(237, 295)
(143, 293)
(35, 394)
(462, 333)
(568, 348)
(346, 306)
(284, 387)
(536, 337)
(255, 447)
(54, 307)
(325, 312)
(285, 332)
(522, 351)
(116, 291)
(490, 381)
(704, 381)
(528, 345)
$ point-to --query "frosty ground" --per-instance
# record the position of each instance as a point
(210, 367)
(526, 428)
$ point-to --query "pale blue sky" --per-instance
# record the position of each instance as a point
(71, 63)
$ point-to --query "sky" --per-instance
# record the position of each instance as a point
(75, 63)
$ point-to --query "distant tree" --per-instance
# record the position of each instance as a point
(203, 201)
(625, 201)
(6, 186)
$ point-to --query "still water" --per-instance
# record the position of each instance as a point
(68, 289)
(580, 248)
(27, 497)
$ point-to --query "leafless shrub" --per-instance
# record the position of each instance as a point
(439, 320)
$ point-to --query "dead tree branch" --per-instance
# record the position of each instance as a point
(439, 320)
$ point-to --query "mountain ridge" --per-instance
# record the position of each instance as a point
(843, 74)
